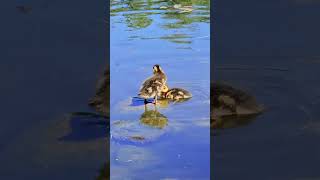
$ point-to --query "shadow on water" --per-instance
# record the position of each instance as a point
(86, 126)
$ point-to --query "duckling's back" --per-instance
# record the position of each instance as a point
(178, 94)
(230, 101)
(152, 86)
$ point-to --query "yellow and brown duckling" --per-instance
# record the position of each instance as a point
(231, 104)
(175, 94)
(153, 86)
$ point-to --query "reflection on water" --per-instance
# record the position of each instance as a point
(174, 14)
(153, 118)
(232, 122)
(174, 34)
(142, 131)
(149, 128)
(86, 126)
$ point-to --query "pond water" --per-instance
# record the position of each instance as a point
(52, 55)
(270, 48)
(176, 35)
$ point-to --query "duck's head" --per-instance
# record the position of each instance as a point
(157, 69)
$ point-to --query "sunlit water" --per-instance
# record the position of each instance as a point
(144, 33)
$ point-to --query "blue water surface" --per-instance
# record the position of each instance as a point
(144, 33)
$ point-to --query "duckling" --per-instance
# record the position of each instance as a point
(175, 94)
(153, 86)
(231, 102)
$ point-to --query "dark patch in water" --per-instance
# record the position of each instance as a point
(86, 127)
(24, 9)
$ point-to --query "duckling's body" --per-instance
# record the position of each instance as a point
(153, 86)
(230, 102)
(177, 94)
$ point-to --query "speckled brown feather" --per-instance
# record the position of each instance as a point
(153, 85)
(177, 94)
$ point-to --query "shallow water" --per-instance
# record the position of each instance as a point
(144, 33)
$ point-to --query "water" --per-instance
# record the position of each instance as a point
(50, 61)
(144, 33)
(270, 49)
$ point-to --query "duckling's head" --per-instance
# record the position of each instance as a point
(165, 88)
(157, 69)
